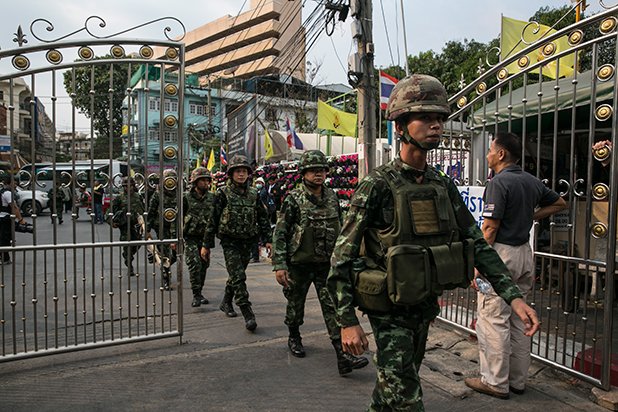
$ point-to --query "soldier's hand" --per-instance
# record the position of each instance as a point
(173, 246)
(269, 248)
(354, 340)
(473, 284)
(527, 315)
(282, 278)
(205, 253)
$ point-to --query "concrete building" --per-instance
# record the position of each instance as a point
(27, 119)
(68, 144)
(267, 39)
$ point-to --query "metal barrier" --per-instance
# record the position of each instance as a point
(559, 120)
(67, 285)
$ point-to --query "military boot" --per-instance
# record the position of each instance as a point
(226, 304)
(295, 342)
(247, 313)
(203, 300)
(197, 299)
(346, 362)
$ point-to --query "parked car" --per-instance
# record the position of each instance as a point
(27, 205)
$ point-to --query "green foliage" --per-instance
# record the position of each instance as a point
(90, 87)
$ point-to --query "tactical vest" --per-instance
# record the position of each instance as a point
(198, 214)
(421, 250)
(314, 237)
(239, 217)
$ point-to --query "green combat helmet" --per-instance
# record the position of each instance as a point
(239, 161)
(417, 93)
(198, 173)
(312, 159)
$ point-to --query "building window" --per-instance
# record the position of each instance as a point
(169, 137)
(213, 110)
(196, 108)
(271, 114)
(154, 104)
(170, 105)
(153, 135)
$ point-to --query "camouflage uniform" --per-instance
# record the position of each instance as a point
(401, 333)
(197, 210)
(238, 218)
(169, 228)
(56, 202)
(302, 273)
(130, 228)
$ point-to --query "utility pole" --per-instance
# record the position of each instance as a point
(362, 10)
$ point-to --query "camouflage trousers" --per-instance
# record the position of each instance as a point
(196, 265)
(302, 276)
(400, 341)
(128, 252)
(237, 254)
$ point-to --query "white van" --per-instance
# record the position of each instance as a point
(80, 172)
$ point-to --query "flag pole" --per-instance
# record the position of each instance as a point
(380, 116)
(405, 39)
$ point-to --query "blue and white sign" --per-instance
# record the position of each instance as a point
(5, 143)
(473, 198)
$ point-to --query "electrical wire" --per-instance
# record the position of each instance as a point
(388, 39)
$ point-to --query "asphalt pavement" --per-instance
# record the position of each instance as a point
(219, 366)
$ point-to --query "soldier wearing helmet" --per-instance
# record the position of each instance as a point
(126, 210)
(162, 217)
(197, 209)
(418, 238)
(304, 239)
(239, 219)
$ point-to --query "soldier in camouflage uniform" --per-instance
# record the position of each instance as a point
(304, 238)
(167, 252)
(238, 218)
(400, 207)
(197, 208)
(129, 201)
(56, 197)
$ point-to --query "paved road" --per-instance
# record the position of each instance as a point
(219, 366)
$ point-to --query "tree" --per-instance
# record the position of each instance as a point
(96, 106)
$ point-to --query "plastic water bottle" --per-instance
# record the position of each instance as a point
(483, 285)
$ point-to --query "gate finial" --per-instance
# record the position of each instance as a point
(20, 37)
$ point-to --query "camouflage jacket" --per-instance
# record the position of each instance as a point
(290, 221)
(121, 203)
(372, 207)
(219, 205)
(154, 211)
(197, 210)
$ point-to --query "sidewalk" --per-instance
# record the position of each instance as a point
(221, 367)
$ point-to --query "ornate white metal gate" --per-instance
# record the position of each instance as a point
(559, 121)
(66, 287)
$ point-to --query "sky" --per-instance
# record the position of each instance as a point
(429, 24)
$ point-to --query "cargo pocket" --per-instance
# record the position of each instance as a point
(408, 274)
(370, 292)
(452, 264)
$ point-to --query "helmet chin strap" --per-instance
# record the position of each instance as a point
(424, 146)
(310, 185)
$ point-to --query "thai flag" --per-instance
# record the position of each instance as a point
(292, 138)
(386, 87)
(222, 157)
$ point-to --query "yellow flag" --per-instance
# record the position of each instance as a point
(211, 160)
(197, 162)
(511, 44)
(336, 120)
(268, 145)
